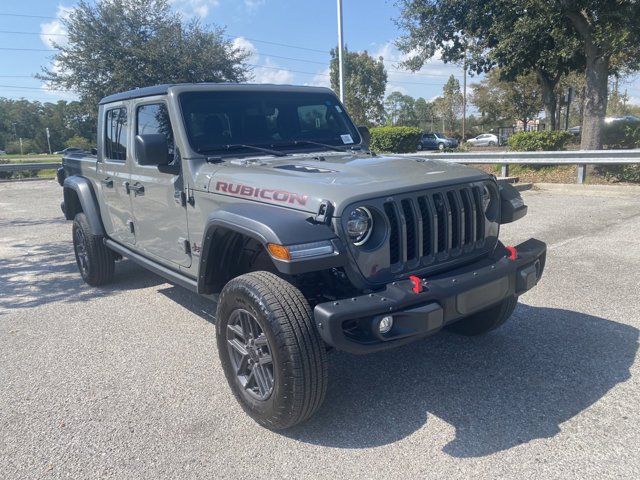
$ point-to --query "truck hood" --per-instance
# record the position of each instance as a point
(304, 181)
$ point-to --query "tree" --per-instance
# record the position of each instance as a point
(117, 45)
(499, 100)
(424, 113)
(449, 105)
(365, 81)
(400, 110)
(550, 38)
(611, 41)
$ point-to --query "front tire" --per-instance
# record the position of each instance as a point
(95, 261)
(486, 320)
(441, 146)
(271, 353)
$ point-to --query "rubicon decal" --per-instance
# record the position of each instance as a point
(263, 193)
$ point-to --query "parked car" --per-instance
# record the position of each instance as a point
(624, 118)
(2, 152)
(436, 141)
(484, 140)
(68, 150)
(304, 241)
(575, 130)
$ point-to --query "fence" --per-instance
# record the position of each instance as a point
(581, 158)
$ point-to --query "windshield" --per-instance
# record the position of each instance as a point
(280, 120)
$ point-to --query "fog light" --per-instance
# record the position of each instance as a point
(385, 324)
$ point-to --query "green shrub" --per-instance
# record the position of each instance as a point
(4, 175)
(28, 146)
(537, 141)
(78, 142)
(621, 134)
(395, 139)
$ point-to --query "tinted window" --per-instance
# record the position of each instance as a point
(216, 119)
(154, 119)
(115, 138)
(430, 136)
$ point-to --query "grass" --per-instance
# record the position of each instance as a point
(31, 159)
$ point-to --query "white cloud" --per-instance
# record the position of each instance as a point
(264, 71)
(248, 47)
(434, 73)
(321, 79)
(253, 5)
(194, 8)
(55, 31)
(271, 73)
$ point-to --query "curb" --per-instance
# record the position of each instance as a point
(586, 189)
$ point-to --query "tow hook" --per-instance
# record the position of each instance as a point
(513, 253)
(418, 284)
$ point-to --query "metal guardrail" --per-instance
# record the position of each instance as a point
(21, 167)
(581, 158)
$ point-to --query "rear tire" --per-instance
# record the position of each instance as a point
(272, 355)
(492, 144)
(486, 320)
(95, 261)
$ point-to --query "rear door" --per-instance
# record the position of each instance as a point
(157, 193)
(113, 172)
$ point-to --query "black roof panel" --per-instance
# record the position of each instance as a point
(164, 88)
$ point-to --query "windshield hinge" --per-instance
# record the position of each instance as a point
(325, 211)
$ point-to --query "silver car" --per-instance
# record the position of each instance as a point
(484, 140)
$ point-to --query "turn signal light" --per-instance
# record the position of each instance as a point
(279, 251)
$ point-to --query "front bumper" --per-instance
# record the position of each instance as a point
(350, 324)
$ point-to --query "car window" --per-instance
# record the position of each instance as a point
(115, 138)
(154, 119)
(430, 136)
(216, 119)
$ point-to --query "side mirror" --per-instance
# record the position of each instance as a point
(365, 135)
(152, 149)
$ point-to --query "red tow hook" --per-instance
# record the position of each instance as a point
(417, 284)
(513, 253)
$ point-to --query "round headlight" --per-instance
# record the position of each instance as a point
(359, 226)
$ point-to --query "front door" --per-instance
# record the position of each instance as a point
(159, 210)
(113, 174)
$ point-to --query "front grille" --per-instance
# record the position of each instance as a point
(435, 226)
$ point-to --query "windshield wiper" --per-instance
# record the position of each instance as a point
(235, 146)
(325, 145)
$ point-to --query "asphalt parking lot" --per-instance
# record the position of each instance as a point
(124, 382)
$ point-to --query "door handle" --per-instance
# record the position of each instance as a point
(138, 189)
(107, 182)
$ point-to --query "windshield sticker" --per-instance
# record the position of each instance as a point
(338, 109)
(346, 138)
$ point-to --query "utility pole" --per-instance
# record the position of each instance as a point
(48, 140)
(21, 151)
(340, 48)
(464, 96)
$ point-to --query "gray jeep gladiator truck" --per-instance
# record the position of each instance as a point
(267, 200)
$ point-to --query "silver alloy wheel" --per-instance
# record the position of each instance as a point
(250, 354)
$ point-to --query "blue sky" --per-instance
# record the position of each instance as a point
(309, 25)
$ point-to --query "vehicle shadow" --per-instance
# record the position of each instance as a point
(47, 272)
(509, 387)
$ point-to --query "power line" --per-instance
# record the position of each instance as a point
(25, 16)
(285, 45)
(29, 49)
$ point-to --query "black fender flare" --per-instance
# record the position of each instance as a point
(88, 202)
(269, 224)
